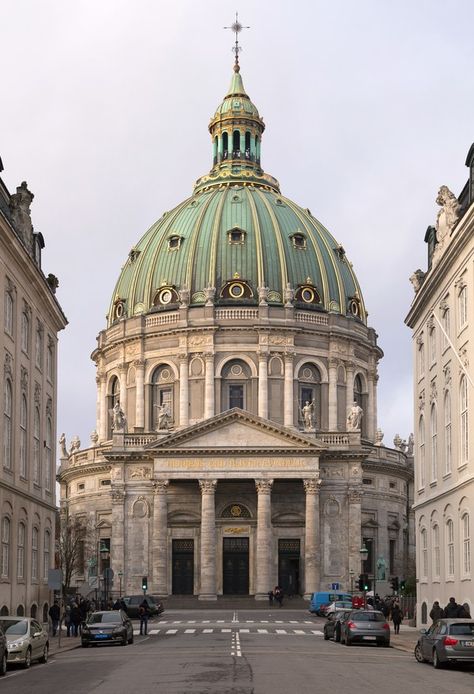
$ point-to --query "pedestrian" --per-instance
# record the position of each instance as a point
(270, 598)
(144, 613)
(67, 620)
(117, 605)
(123, 606)
(55, 614)
(463, 612)
(397, 617)
(436, 612)
(451, 610)
(278, 593)
(75, 618)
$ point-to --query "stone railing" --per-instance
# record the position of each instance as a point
(236, 313)
(315, 318)
(134, 440)
(338, 439)
(161, 319)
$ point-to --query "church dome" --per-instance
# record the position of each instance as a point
(237, 240)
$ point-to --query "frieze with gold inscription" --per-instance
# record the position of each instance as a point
(236, 463)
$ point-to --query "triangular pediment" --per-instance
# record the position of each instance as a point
(238, 430)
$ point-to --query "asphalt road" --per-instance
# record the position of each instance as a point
(245, 652)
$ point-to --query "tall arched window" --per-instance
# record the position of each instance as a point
(50, 359)
(446, 323)
(450, 547)
(7, 423)
(39, 345)
(225, 145)
(48, 458)
(309, 390)
(434, 444)
(464, 421)
(5, 568)
(421, 449)
(8, 317)
(236, 143)
(432, 345)
(235, 385)
(162, 400)
(436, 554)
(447, 434)
(23, 435)
(36, 448)
(424, 553)
(358, 390)
(466, 545)
(46, 554)
(25, 331)
(34, 554)
(20, 551)
(113, 398)
(421, 358)
(462, 304)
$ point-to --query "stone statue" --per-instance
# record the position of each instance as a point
(20, 203)
(163, 417)
(308, 415)
(410, 445)
(209, 293)
(354, 418)
(381, 568)
(75, 444)
(399, 443)
(289, 295)
(447, 217)
(379, 437)
(62, 447)
(184, 295)
(119, 419)
(417, 279)
(94, 438)
(263, 295)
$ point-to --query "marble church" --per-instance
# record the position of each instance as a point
(236, 443)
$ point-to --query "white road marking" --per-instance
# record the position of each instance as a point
(154, 631)
(237, 643)
(220, 621)
(207, 631)
(293, 621)
(172, 631)
(316, 632)
(235, 617)
(244, 631)
(136, 632)
(280, 631)
(226, 631)
(299, 631)
(308, 622)
(177, 622)
(264, 621)
(278, 621)
(249, 621)
(262, 631)
(206, 621)
(190, 631)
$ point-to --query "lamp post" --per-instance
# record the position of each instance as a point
(364, 553)
(351, 575)
(120, 575)
(104, 555)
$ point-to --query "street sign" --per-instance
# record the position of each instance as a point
(334, 586)
(55, 579)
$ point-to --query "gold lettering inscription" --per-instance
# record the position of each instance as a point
(237, 463)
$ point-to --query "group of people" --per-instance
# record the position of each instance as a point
(390, 608)
(77, 612)
(452, 610)
(275, 594)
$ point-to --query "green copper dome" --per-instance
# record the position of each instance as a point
(237, 240)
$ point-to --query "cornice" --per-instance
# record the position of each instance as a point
(27, 496)
(80, 470)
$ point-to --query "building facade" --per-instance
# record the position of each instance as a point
(30, 320)
(236, 444)
(442, 320)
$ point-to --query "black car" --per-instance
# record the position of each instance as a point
(133, 603)
(3, 652)
(332, 628)
(112, 626)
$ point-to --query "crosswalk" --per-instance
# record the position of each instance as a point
(257, 627)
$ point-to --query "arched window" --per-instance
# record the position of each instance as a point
(225, 145)
(8, 317)
(46, 554)
(113, 398)
(215, 149)
(432, 345)
(358, 390)
(462, 304)
(7, 424)
(20, 551)
(23, 435)
(39, 345)
(25, 331)
(235, 385)
(162, 400)
(424, 553)
(236, 143)
(309, 391)
(464, 421)
(20, 611)
(450, 548)
(421, 449)
(36, 448)
(436, 554)
(5, 568)
(434, 444)
(466, 545)
(50, 359)
(34, 554)
(446, 323)
(421, 358)
(447, 434)
(48, 457)
(247, 145)
(424, 613)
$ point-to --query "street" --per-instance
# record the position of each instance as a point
(244, 652)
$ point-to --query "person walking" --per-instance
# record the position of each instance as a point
(397, 617)
(278, 593)
(436, 612)
(67, 620)
(451, 611)
(55, 614)
(270, 598)
(144, 613)
(76, 618)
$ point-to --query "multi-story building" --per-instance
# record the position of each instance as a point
(30, 319)
(442, 320)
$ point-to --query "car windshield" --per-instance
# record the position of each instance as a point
(368, 617)
(462, 629)
(104, 617)
(18, 627)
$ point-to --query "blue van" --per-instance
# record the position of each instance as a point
(326, 598)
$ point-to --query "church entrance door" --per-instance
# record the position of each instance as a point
(289, 566)
(235, 568)
(183, 567)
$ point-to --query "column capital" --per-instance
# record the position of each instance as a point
(118, 495)
(312, 486)
(139, 363)
(183, 357)
(262, 355)
(160, 486)
(208, 486)
(100, 377)
(264, 486)
(333, 362)
(350, 365)
(123, 368)
(289, 356)
(354, 496)
(208, 356)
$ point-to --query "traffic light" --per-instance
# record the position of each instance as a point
(402, 585)
(394, 584)
(360, 583)
(364, 582)
(367, 583)
(145, 583)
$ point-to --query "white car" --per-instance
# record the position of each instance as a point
(338, 605)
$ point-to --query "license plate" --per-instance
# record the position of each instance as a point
(101, 636)
(369, 638)
(468, 643)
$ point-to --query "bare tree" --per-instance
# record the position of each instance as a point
(72, 545)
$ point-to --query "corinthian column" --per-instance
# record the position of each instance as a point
(183, 390)
(370, 426)
(140, 393)
(123, 388)
(312, 555)
(209, 386)
(208, 540)
(118, 560)
(349, 386)
(332, 394)
(102, 428)
(160, 538)
(264, 581)
(288, 417)
(262, 385)
(354, 528)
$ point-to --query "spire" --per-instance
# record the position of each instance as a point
(236, 27)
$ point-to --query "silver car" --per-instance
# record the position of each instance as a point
(446, 641)
(365, 626)
(26, 640)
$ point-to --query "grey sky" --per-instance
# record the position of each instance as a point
(104, 110)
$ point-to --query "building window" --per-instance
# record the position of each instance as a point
(466, 545)
(46, 554)
(309, 391)
(436, 554)
(8, 316)
(450, 548)
(464, 408)
(424, 553)
(446, 323)
(462, 304)
(299, 241)
(25, 331)
(5, 569)
(432, 345)
(391, 557)
(236, 236)
(23, 436)
(48, 454)
(36, 447)
(39, 345)
(236, 376)
(421, 448)
(114, 399)
(162, 388)
(434, 444)
(367, 481)
(236, 396)
(50, 359)
(447, 434)
(174, 242)
(7, 424)
(20, 557)
(421, 358)
(34, 554)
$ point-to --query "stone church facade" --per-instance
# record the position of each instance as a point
(236, 444)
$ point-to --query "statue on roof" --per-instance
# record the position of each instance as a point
(20, 203)
(446, 220)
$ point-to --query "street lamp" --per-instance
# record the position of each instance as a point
(104, 555)
(120, 575)
(364, 553)
(351, 576)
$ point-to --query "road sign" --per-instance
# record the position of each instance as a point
(334, 586)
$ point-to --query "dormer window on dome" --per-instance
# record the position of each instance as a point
(354, 306)
(308, 294)
(298, 240)
(236, 289)
(119, 309)
(165, 296)
(236, 236)
(174, 242)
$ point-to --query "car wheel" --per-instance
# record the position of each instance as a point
(3, 664)
(337, 635)
(436, 661)
(348, 641)
(44, 657)
(84, 644)
(27, 662)
(124, 641)
(418, 654)
(326, 637)
(130, 640)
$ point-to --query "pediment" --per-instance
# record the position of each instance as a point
(237, 430)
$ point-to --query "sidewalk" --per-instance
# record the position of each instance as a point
(67, 643)
(406, 639)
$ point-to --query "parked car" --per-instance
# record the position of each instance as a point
(446, 641)
(112, 626)
(133, 602)
(327, 610)
(3, 652)
(322, 598)
(365, 626)
(26, 640)
(332, 628)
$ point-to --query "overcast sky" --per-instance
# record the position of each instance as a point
(104, 108)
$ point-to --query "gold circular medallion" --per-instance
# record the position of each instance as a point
(236, 511)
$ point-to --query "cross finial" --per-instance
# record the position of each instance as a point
(236, 27)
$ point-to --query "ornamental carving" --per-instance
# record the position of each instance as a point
(139, 473)
(24, 378)
(208, 486)
(140, 508)
(139, 363)
(11, 287)
(464, 357)
(460, 283)
(421, 400)
(161, 486)
(26, 308)
(332, 507)
(417, 279)
(433, 392)
(420, 340)
(49, 407)
(447, 375)
(37, 393)
(311, 486)
(443, 306)
(354, 496)
(8, 365)
(264, 486)
(196, 340)
(118, 496)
